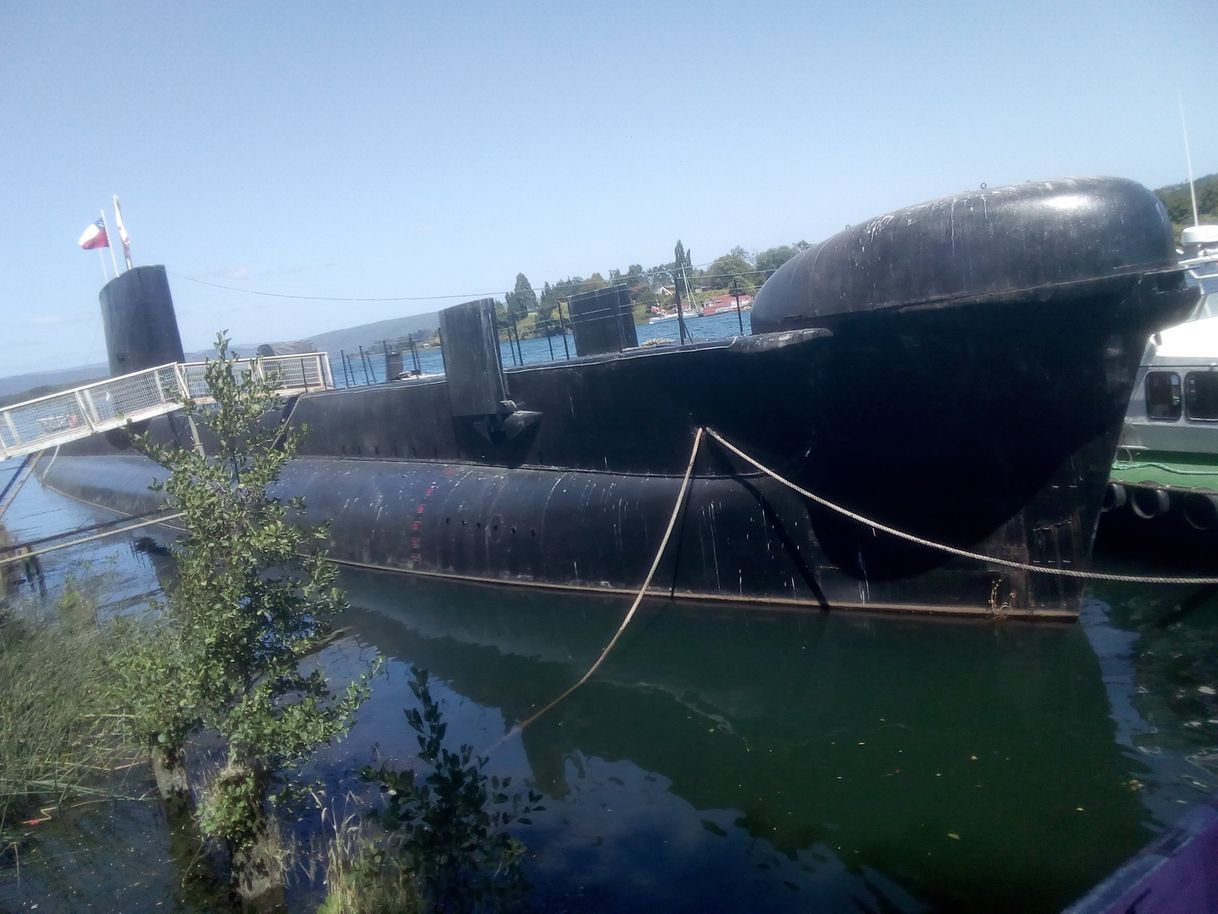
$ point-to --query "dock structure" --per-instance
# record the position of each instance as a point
(70, 415)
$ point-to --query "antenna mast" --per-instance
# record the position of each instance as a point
(1188, 157)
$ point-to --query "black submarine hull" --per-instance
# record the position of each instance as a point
(976, 402)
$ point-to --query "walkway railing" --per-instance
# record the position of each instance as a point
(104, 405)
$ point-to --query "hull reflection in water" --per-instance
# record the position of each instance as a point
(746, 761)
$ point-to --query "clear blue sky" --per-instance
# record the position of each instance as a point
(386, 149)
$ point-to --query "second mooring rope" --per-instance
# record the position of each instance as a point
(952, 550)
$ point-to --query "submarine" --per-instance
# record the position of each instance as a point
(958, 371)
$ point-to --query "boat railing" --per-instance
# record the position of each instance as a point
(110, 404)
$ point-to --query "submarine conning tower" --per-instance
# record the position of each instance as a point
(140, 323)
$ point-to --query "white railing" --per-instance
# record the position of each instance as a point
(104, 405)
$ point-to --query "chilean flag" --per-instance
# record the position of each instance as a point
(94, 237)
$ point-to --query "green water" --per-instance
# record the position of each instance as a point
(730, 760)
(733, 761)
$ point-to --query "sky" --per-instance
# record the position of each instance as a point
(431, 151)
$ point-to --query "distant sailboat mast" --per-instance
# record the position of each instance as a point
(1188, 157)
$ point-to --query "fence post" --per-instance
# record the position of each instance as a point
(160, 388)
(85, 402)
(179, 372)
(8, 419)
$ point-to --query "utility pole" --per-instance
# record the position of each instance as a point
(736, 293)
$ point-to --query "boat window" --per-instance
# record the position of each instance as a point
(1201, 395)
(1163, 399)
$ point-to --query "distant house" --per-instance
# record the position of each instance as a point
(721, 303)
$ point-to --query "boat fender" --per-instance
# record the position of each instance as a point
(1200, 510)
(1148, 503)
(1114, 497)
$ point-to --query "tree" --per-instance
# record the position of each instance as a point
(254, 595)
(1179, 200)
(523, 300)
(545, 307)
(592, 283)
(559, 292)
(682, 269)
(640, 288)
(771, 259)
(732, 265)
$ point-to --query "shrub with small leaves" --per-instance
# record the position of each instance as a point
(450, 819)
(253, 597)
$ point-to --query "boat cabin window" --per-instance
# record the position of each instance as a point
(1163, 400)
(1201, 395)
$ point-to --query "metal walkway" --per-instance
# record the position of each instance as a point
(83, 411)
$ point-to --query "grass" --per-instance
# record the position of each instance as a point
(360, 878)
(56, 738)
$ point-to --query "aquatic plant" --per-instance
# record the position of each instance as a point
(448, 821)
(56, 739)
(21, 567)
(360, 877)
(254, 595)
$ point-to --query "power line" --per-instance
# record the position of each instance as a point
(469, 296)
(463, 296)
(349, 298)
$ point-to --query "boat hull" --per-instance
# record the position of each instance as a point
(993, 456)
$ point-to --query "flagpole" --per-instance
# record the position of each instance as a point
(108, 244)
(122, 231)
(101, 258)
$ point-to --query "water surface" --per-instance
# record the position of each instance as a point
(724, 758)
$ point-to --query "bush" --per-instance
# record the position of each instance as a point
(253, 596)
(449, 823)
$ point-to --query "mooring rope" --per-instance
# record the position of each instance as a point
(34, 553)
(952, 550)
(638, 600)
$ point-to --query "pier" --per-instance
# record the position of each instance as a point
(35, 425)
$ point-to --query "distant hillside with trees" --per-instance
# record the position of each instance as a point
(1179, 202)
(395, 330)
(20, 387)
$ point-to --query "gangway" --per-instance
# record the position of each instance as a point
(104, 405)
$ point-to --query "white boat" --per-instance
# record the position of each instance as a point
(1168, 456)
(672, 316)
(661, 318)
